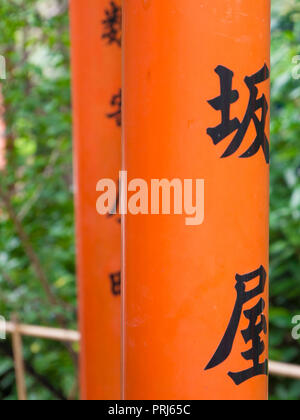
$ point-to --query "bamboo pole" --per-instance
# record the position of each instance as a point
(44, 332)
(18, 360)
(284, 370)
(276, 368)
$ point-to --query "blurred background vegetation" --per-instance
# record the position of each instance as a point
(37, 273)
(37, 259)
(285, 192)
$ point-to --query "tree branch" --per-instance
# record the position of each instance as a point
(41, 379)
(32, 256)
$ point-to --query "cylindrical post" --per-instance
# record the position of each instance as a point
(2, 133)
(196, 107)
(19, 361)
(96, 71)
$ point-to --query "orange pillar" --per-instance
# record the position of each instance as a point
(96, 71)
(196, 106)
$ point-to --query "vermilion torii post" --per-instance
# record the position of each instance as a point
(196, 106)
(96, 71)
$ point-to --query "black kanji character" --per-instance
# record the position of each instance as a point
(223, 103)
(113, 24)
(115, 279)
(116, 102)
(252, 333)
(228, 126)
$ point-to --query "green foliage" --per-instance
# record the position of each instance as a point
(37, 183)
(285, 192)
